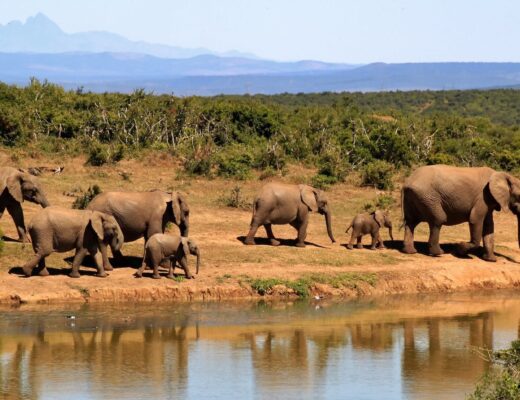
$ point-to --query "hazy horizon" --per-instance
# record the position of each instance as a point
(334, 31)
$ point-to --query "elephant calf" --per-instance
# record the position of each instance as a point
(176, 248)
(60, 229)
(363, 224)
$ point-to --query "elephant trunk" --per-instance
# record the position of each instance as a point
(197, 253)
(43, 201)
(390, 233)
(184, 227)
(329, 226)
(118, 240)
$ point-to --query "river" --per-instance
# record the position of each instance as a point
(412, 347)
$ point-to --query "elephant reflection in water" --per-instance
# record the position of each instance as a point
(450, 360)
(375, 336)
(112, 357)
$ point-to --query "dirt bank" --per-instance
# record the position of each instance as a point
(231, 270)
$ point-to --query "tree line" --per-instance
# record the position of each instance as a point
(373, 134)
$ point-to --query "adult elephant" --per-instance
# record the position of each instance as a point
(15, 187)
(445, 195)
(279, 204)
(143, 214)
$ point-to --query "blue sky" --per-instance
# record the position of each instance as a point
(348, 31)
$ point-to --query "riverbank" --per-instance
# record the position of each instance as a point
(231, 270)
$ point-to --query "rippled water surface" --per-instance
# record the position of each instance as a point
(393, 348)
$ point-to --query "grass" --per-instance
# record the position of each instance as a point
(304, 284)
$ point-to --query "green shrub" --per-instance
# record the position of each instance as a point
(235, 162)
(323, 181)
(101, 154)
(382, 202)
(441, 158)
(84, 199)
(502, 381)
(378, 174)
(235, 199)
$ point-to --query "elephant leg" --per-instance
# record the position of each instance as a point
(96, 255)
(408, 246)
(184, 265)
(139, 272)
(76, 262)
(302, 232)
(42, 268)
(475, 231)
(380, 243)
(33, 262)
(433, 242)
(156, 263)
(359, 244)
(350, 244)
(2, 208)
(171, 270)
(16, 212)
(270, 235)
(373, 245)
(489, 238)
(104, 255)
(250, 239)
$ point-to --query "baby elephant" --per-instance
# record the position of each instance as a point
(161, 246)
(60, 229)
(363, 224)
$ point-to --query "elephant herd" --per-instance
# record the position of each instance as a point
(438, 195)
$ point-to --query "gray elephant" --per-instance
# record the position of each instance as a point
(364, 224)
(61, 229)
(15, 187)
(143, 214)
(160, 247)
(279, 204)
(444, 195)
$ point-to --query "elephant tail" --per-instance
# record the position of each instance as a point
(349, 227)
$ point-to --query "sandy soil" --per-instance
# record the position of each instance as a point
(228, 266)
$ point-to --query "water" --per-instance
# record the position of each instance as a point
(393, 348)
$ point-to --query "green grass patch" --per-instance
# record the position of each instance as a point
(303, 285)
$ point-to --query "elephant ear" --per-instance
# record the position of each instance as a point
(500, 189)
(14, 186)
(308, 196)
(379, 217)
(176, 207)
(96, 221)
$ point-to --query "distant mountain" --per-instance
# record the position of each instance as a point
(211, 75)
(41, 35)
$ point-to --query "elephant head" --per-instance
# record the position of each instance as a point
(181, 212)
(22, 186)
(107, 229)
(316, 200)
(191, 247)
(383, 220)
(505, 190)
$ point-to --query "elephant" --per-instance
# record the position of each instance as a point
(363, 224)
(446, 195)
(279, 203)
(161, 246)
(15, 187)
(143, 213)
(61, 229)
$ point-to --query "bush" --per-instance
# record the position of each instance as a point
(101, 154)
(382, 202)
(503, 381)
(235, 199)
(378, 174)
(320, 181)
(236, 163)
(83, 200)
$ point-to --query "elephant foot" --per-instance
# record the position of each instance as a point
(300, 244)
(109, 267)
(489, 257)
(190, 277)
(27, 271)
(373, 247)
(409, 250)
(382, 247)
(74, 275)
(274, 242)
(103, 275)
(156, 276)
(359, 246)
(249, 242)
(170, 276)
(349, 246)
(138, 274)
(43, 272)
(436, 252)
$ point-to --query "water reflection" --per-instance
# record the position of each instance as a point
(402, 348)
